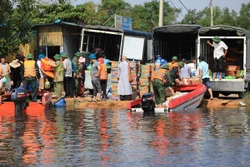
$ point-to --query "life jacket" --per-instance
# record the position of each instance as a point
(29, 68)
(7, 69)
(160, 74)
(47, 64)
(104, 74)
(171, 65)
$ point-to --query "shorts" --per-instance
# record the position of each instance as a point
(219, 64)
(206, 82)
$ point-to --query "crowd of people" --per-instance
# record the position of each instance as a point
(69, 75)
(178, 72)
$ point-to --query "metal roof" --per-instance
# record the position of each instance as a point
(125, 31)
(103, 28)
(178, 29)
(224, 29)
(60, 23)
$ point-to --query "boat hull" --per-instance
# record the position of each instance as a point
(8, 107)
(190, 100)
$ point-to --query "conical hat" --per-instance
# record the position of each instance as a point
(14, 64)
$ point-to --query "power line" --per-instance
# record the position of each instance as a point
(184, 5)
(176, 8)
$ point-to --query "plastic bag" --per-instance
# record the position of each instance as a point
(47, 84)
(89, 67)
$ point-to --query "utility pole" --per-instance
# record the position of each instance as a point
(161, 13)
(212, 13)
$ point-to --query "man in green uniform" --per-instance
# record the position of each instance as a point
(59, 75)
(158, 82)
(30, 73)
(173, 75)
(78, 69)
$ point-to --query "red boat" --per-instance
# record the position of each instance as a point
(189, 97)
(8, 107)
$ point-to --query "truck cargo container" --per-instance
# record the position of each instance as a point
(237, 60)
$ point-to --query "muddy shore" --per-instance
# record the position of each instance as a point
(216, 103)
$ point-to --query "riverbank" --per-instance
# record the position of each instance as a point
(217, 103)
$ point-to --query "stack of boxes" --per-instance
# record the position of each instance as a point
(114, 77)
(144, 79)
(232, 70)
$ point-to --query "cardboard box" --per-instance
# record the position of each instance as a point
(233, 68)
(231, 73)
(195, 80)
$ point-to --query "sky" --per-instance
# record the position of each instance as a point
(190, 4)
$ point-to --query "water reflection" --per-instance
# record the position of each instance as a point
(119, 138)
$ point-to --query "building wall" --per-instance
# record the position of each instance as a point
(71, 40)
(50, 35)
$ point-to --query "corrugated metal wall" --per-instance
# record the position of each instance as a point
(50, 35)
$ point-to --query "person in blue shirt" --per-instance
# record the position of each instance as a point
(204, 75)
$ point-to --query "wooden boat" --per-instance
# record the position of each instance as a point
(188, 97)
(8, 107)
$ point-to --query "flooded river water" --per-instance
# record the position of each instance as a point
(109, 137)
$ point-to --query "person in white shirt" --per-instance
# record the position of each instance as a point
(220, 52)
(185, 71)
(193, 67)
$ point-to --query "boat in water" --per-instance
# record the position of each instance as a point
(8, 106)
(186, 97)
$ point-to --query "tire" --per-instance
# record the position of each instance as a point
(241, 95)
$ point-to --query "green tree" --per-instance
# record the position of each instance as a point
(108, 8)
(14, 25)
(203, 17)
(145, 17)
(48, 13)
(244, 18)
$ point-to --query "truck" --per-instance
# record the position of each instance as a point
(116, 42)
(236, 39)
(175, 40)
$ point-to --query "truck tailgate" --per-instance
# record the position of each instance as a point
(228, 85)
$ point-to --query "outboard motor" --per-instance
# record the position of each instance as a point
(148, 104)
(19, 97)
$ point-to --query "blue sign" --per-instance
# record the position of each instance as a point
(123, 22)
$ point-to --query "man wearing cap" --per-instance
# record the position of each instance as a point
(204, 75)
(67, 65)
(41, 79)
(173, 63)
(78, 69)
(173, 77)
(95, 77)
(59, 76)
(30, 73)
(158, 81)
(220, 52)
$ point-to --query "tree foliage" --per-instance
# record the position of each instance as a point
(244, 17)
(14, 25)
(145, 17)
(223, 16)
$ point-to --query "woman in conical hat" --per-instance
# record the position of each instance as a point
(15, 75)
